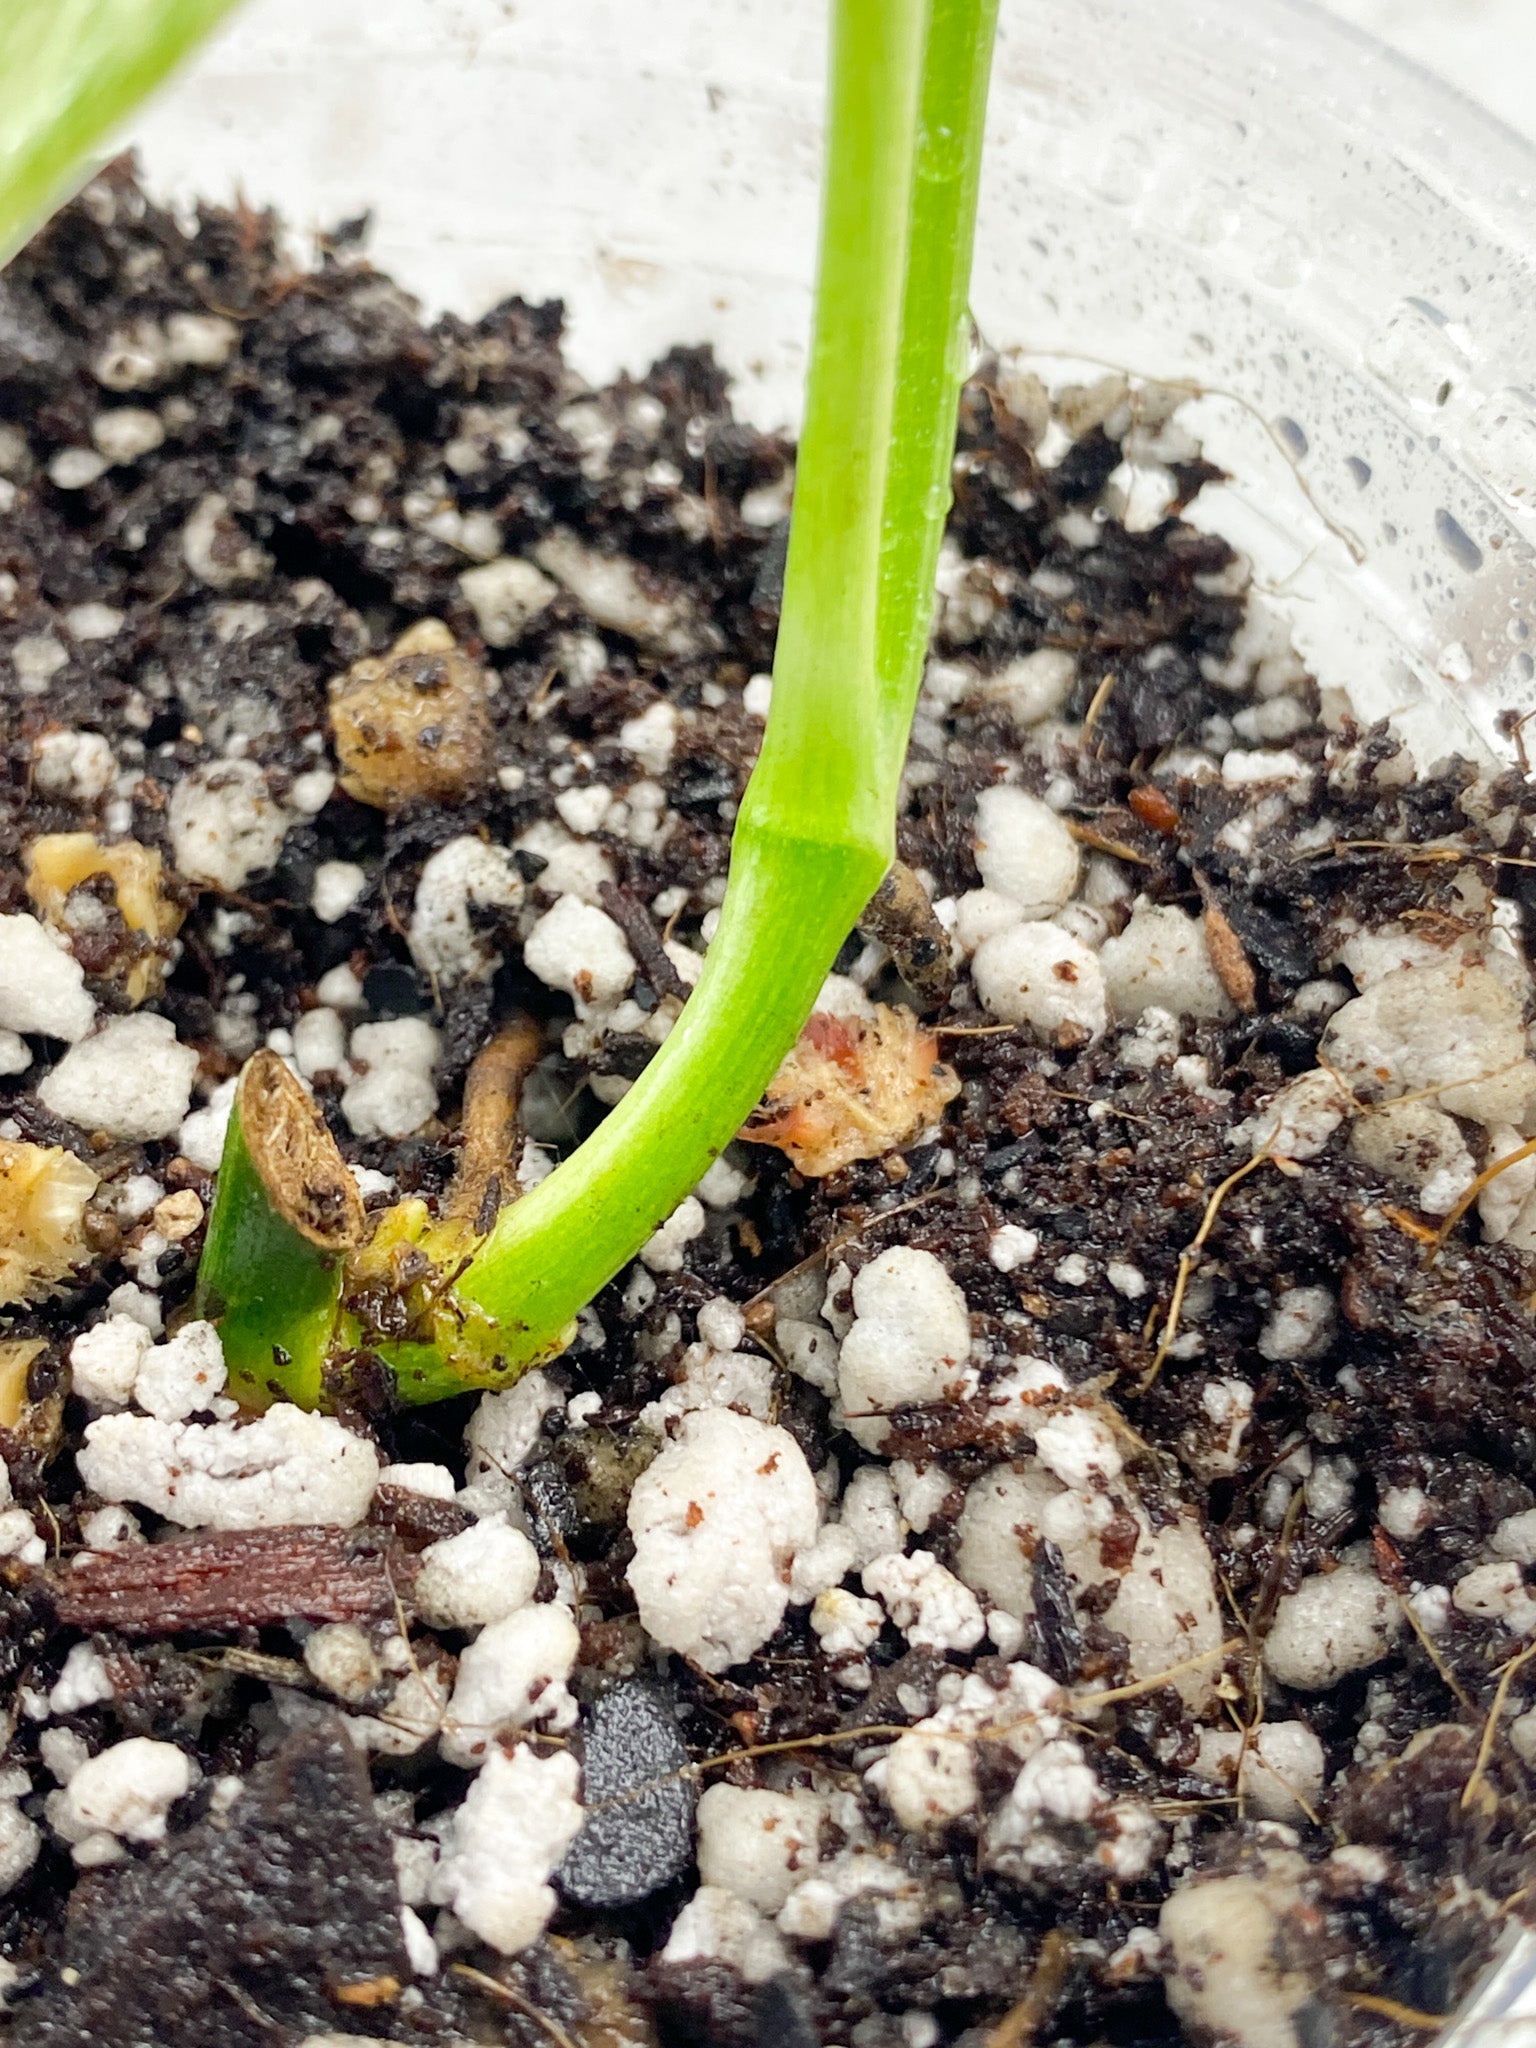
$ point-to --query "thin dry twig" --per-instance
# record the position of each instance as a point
(1465, 1201)
(1102, 843)
(836, 1244)
(1391, 2009)
(1187, 1259)
(517, 2001)
(1042, 1994)
(1431, 1651)
(880, 1731)
(1096, 703)
(1473, 1786)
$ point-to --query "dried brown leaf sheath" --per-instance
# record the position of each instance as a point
(297, 1158)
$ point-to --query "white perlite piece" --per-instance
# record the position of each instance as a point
(716, 1926)
(1037, 974)
(1011, 1246)
(201, 1137)
(1496, 1592)
(125, 432)
(482, 1575)
(930, 1606)
(129, 1789)
(506, 596)
(337, 886)
(1024, 851)
(929, 1779)
(285, 1467)
(1515, 1537)
(104, 1361)
(610, 590)
(319, 1043)
(36, 659)
(131, 1079)
(183, 1376)
(1298, 1121)
(871, 1515)
(714, 1379)
(520, 1817)
(1420, 1145)
(1160, 961)
(651, 736)
(1301, 1324)
(1334, 1623)
(73, 764)
(979, 915)
(443, 941)
(1166, 1605)
(225, 824)
(20, 1841)
(341, 1658)
(758, 1845)
(1279, 1768)
(42, 984)
(845, 1625)
(1454, 1028)
(664, 1250)
(580, 950)
(394, 1094)
(83, 1682)
(216, 550)
(909, 1342)
(503, 1431)
(717, 1520)
(1032, 686)
(512, 1675)
(1230, 1980)
(1502, 1206)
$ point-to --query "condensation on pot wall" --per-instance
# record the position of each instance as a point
(1333, 247)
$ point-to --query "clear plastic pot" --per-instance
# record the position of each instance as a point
(1336, 248)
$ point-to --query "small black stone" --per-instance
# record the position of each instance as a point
(392, 990)
(638, 1833)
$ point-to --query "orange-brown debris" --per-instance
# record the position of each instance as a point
(853, 1088)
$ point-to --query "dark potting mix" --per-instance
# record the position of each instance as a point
(1034, 1549)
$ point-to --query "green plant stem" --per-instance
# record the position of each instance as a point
(272, 1293)
(70, 70)
(934, 352)
(817, 826)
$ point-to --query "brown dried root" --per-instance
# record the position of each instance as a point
(412, 724)
(853, 1088)
(43, 1193)
(484, 1176)
(61, 861)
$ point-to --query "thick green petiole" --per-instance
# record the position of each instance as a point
(817, 827)
(816, 830)
(69, 71)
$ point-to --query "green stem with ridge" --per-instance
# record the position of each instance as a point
(816, 829)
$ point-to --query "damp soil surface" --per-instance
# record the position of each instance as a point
(1268, 1432)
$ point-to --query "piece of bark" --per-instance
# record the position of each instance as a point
(229, 1579)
